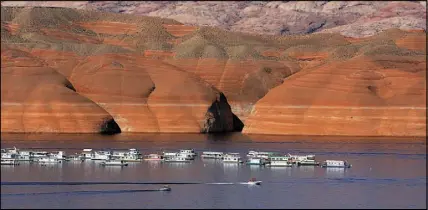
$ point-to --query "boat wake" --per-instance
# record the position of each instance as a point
(97, 183)
(221, 183)
(117, 183)
(82, 192)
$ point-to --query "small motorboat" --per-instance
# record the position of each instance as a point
(165, 188)
(253, 181)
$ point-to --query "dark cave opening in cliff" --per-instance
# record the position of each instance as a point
(110, 127)
(219, 118)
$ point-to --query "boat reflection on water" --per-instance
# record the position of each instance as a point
(177, 164)
(306, 170)
(231, 165)
(154, 164)
(282, 170)
(50, 165)
(256, 167)
(335, 172)
(211, 161)
(231, 168)
(113, 169)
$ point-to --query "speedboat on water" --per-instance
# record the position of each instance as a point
(165, 188)
(253, 181)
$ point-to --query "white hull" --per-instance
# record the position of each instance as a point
(252, 183)
(48, 160)
(176, 161)
(211, 157)
(131, 160)
(76, 159)
(9, 162)
(153, 157)
(346, 166)
(114, 164)
(235, 162)
(336, 164)
(280, 164)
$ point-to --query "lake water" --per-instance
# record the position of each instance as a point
(385, 173)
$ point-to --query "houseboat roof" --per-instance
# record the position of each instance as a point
(186, 150)
(213, 153)
(279, 157)
(153, 155)
(334, 161)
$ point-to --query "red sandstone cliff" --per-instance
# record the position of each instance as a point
(65, 70)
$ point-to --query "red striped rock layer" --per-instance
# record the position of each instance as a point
(356, 97)
(36, 98)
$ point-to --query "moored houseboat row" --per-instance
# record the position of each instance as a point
(110, 157)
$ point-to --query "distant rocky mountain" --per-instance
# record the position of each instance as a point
(349, 18)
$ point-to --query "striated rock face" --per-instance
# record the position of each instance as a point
(137, 93)
(79, 71)
(350, 18)
(355, 97)
(37, 99)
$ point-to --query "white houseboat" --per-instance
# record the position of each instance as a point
(232, 158)
(169, 154)
(188, 152)
(153, 157)
(40, 154)
(25, 156)
(76, 157)
(256, 154)
(45, 160)
(131, 155)
(185, 155)
(9, 156)
(308, 162)
(114, 163)
(60, 155)
(102, 155)
(88, 154)
(280, 161)
(256, 161)
(176, 159)
(212, 155)
(299, 158)
(336, 164)
(13, 150)
(11, 162)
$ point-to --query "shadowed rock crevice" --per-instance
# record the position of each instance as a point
(220, 118)
(238, 125)
(70, 86)
(110, 127)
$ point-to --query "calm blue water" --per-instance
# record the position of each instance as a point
(385, 174)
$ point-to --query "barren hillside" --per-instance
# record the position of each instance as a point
(68, 70)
